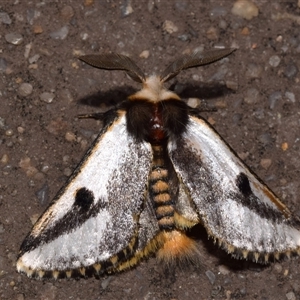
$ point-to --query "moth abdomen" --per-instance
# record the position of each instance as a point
(159, 189)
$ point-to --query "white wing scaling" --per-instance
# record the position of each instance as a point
(95, 215)
(234, 206)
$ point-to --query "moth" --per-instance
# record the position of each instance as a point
(155, 170)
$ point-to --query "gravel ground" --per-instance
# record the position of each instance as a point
(43, 88)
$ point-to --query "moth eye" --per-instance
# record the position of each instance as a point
(84, 199)
(243, 184)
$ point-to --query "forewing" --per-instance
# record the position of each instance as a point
(95, 215)
(234, 206)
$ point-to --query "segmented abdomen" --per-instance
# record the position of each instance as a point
(159, 190)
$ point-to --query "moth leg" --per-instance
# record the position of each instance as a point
(96, 116)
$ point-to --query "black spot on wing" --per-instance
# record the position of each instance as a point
(243, 184)
(84, 198)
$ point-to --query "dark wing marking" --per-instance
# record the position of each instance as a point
(114, 61)
(95, 215)
(234, 206)
(196, 59)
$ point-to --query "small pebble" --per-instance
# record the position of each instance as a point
(245, 31)
(28, 48)
(3, 64)
(265, 163)
(126, 8)
(34, 218)
(68, 172)
(84, 36)
(66, 95)
(32, 14)
(245, 9)
(265, 138)
(274, 98)
(12, 283)
(211, 121)
(4, 159)
(105, 282)
(47, 97)
(88, 2)
(43, 194)
(25, 89)
(233, 85)
(291, 70)
(254, 70)
(49, 292)
(45, 168)
(5, 18)
(296, 287)
(290, 96)
(84, 144)
(56, 126)
(9, 132)
(37, 29)
(218, 11)
(60, 34)
(169, 27)
(193, 102)
(221, 104)
(14, 38)
(20, 297)
(252, 96)
(223, 24)
(33, 59)
(220, 74)
(67, 12)
(184, 37)
(284, 146)
(211, 276)
(217, 290)
(70, 136)
(279, 38)
(290, 296)
(144, 54)
(2, 123)
(277, 268)
(150, 6)
(21, 129)
(25, 165)
(224, 270)
(274, 61)
(39, 176)
(212, 33)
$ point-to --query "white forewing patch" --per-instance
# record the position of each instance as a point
(72, 250)
(244, 229)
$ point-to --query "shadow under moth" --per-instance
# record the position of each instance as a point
(155, 170)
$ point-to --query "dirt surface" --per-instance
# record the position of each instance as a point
(256, 91)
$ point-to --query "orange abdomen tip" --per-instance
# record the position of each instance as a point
(177, 246)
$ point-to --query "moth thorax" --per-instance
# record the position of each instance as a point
(153, 90)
